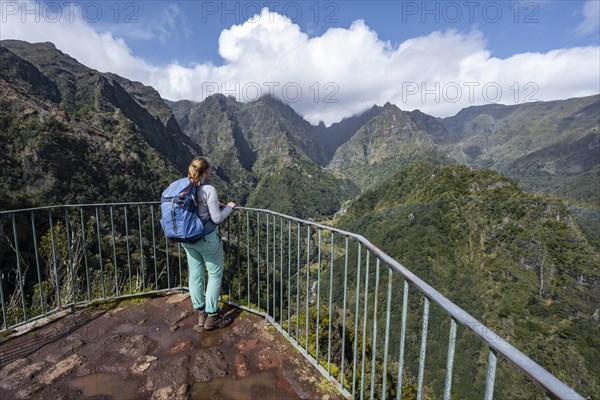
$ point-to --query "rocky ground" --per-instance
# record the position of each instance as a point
(146, 349)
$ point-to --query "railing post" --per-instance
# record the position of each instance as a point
(274, 270)
(248, 255)
(281, 274)
(491, 375)
(375, 320)
(402, 340)
(4, 322)
(450, 363)
(112, 232)
(127, 247)
(289, 291)
(179, 264)
(142, 268)
(54, 259)
(239, 260)
(258, 258)
(71, 263)
(387, 333)
(19, 272)
(356, 322)
(364, 332)
(423, 348)
(342, 377)
(307, 283)
(168, 263)
(267, 269)
(229, 269)
(154, 248)
(317, 324)
(85, 261)
(330, 305)
(37, 261)
(298, 287)
(100, 253)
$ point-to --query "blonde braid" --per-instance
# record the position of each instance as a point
(197, 168)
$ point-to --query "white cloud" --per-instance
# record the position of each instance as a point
(591, 18)
(339, 73)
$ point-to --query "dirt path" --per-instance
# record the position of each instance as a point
(147, 349)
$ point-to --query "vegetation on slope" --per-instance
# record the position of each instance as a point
(515, 261)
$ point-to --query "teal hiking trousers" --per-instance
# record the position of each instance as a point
(205, 257)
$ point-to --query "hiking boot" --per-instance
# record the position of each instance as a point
(202, 316)
(215, 321)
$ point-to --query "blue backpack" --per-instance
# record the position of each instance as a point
(179, 219)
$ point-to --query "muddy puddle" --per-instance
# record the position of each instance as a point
(104, 384)
(262, 385)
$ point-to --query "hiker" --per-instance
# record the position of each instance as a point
(207, 253)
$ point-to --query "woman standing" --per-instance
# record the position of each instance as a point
(207, 253)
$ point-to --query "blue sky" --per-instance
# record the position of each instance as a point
(331, 59)
(510, 27)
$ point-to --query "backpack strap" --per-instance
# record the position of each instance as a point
(186, 191)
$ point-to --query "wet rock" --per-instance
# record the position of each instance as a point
(126, 329)
(267, 359)
(171, 393)
(266, 335)
(135, 346)
(244, 329)
(284, 386)
(142, 364)
(183, 315)
(178, 298)
(7, 370)
(65, 350)
(247, 345)
(26, 393)
(107, 362)
(61, 369)
(170, 372)
(181, 347)
(21, 375)
(297, 379)
(211, 338)
(208, 365)
(114, 312)
(37, 324)
(242, 365)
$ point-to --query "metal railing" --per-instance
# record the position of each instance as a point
(354, 312)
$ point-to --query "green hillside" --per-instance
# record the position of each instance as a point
(387, 142)
(513, 260)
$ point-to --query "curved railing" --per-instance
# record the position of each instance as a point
(335, 296)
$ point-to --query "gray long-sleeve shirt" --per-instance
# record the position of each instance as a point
(208, 205)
